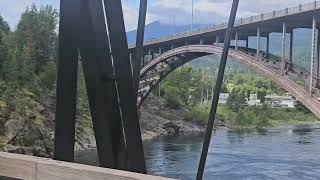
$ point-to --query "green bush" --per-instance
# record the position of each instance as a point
(200, 114)
(172, 101)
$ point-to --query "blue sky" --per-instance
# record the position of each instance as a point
(165, 11)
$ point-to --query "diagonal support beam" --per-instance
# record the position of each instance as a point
(139, 44)
(217, 90)
(100, 84)
(125, 85)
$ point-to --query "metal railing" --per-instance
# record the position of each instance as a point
(242, 21)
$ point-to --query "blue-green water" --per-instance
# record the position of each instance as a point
(288, 152)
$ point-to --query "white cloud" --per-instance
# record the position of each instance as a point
(166, 11)
(213, 11)
(11, 10)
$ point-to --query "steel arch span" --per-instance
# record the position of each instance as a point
(161, 66)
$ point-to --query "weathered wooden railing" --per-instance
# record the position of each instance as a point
(34, 168)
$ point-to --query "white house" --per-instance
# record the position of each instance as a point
(286, 101)
(223, 98)
(253, 100)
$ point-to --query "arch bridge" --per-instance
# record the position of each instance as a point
(163, 55)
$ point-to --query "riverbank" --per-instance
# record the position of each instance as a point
(157, 118)
(31, 131)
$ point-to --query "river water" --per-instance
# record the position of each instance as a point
(286, 152)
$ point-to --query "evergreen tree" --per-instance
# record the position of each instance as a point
(35, 43)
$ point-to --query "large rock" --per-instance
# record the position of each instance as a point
(29, 130)
(13, 126)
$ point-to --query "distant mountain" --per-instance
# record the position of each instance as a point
(157, 29)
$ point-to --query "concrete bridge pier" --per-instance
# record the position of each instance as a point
(268, 45)
(283, 49)
(247, 44)
(143, 59)
(149, 56)
(236, 41)
(159, 51)
(258, 43)
(217, 40)
(201, 41)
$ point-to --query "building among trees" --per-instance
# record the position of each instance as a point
(285, 101)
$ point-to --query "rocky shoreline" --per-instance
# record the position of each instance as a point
(32, 133)
(157, 119)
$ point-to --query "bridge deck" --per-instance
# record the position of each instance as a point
(35, 168)
(295, 17)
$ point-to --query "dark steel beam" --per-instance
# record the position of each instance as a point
(139, 44)
(217, 90)
(100, 83)
(66, 81)
(125, 85)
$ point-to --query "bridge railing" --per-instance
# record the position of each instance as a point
(34, 168)
(294, 10)
(242, 21)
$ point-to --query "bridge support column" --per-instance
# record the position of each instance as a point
(217, 40)
(247, 44)
(201, 41)
(314, 50)
(283, 49)
(268, 45)
(236, 41)
(291, 49)
(159, 51)
(139, 44)
(64, 136)
(258, 43)
(149, 56)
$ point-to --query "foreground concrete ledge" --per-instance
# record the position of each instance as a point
(30, 167)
